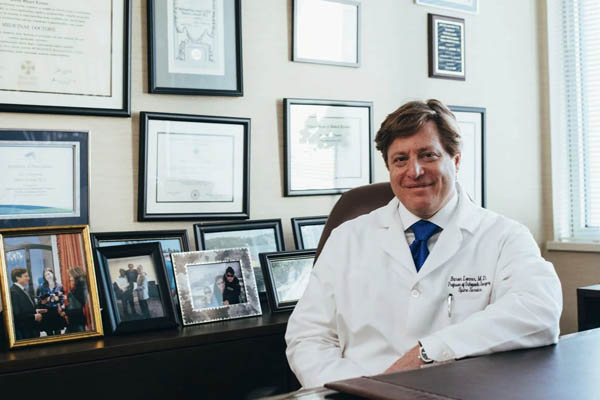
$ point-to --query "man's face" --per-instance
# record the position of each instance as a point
(130, 266)
(23, 280)
(422, 173)
(229, 277)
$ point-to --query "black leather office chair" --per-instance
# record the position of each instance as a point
(353, 203)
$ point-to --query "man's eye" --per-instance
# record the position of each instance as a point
(430, 155)
(400, 159)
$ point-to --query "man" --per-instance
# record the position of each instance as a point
(231, 293)
(142, 291)
(123, 292)
(132, 276)
(26, 317)
(429, 277)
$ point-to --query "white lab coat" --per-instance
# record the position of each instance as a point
(366, 305)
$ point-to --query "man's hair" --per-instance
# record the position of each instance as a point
(16, 273)
(410, 118)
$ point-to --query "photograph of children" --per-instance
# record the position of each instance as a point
(135, 287)
(168, 246)
(216, 285)
(290, 277)
(257, 240)
(48, 285)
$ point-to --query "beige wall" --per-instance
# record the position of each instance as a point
(506, 74)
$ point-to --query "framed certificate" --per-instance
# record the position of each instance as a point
(328, 146)
(327, 32)
(195, 47)
(471, 174)
(193, 167)
(65, 57)
(446, 47)
(44, 179)
(469, 6)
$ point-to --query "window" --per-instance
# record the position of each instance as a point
(574, 67)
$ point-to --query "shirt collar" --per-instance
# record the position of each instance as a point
(22, 288)
(441, 218)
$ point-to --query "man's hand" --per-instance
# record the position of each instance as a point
(410, 360)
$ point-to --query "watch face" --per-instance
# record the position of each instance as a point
(423, 355)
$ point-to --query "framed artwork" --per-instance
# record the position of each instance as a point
(215, 285)
(174, 241)
(469, 6)
(75, 59)
(44, 179)
(328, 146)
(260, 236)
(287, 274)
(195, 47)
(471, 175)
(48, 283)
(327, 32)
(446, 47)
(135, 287)
(193, 167)
(307, 231)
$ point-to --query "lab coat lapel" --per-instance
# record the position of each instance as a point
(391, 237)
(466, 220)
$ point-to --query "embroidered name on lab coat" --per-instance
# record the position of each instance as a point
(468, 284)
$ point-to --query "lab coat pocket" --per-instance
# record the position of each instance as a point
(465, 305)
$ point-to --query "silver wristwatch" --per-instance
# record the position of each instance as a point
(423, 355)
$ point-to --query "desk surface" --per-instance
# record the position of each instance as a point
(568, 370)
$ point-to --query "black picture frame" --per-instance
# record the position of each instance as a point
(74, 101)
(201, 231)
(472, 122)
(229, 80)
(33, 165)
(268, 261)
(104, 239)
(118, 324)
(453, 58)
(302, 146)
(298, 223)
(192, 133)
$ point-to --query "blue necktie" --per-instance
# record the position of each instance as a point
(423, 231)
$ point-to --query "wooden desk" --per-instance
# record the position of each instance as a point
(222, 360)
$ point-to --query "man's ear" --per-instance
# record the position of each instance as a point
(457, 161)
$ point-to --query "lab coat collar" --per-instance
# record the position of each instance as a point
(391, 237)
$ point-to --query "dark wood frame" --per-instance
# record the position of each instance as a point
(55, 136)
(481, 111)
(92, 289)
(143, 236)
(287, 103)
(124, 111)
(143, 214)
(299, 222)
(265, 263)
(295, 22)
(431, 19)
(153, 63)
(153, 250)
(275, 224)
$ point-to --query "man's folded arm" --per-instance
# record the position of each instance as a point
(524, 312)
(313, 346)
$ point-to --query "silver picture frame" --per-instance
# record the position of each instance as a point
(195, 272)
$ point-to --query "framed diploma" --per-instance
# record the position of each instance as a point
(471, 175)
(327, 32)
(328, 146)
(193, 167)
(446, 47)
(195, 47)
(469, 6)
(44, 179)
(65, 57)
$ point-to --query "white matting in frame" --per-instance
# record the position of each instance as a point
(327, 32)
(471, 174)
(469, 6)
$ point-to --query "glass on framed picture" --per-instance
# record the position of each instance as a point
(49, 285)
(308, 231)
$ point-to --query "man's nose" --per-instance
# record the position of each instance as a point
(414, 169)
